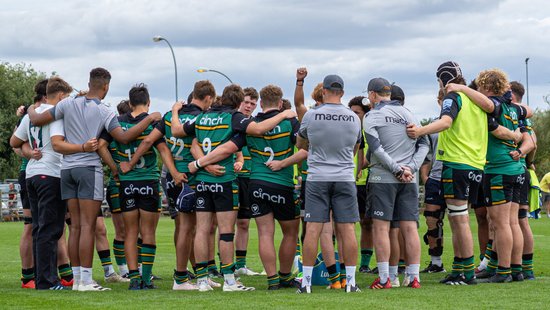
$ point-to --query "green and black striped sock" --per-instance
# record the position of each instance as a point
(240, 256)
(181, 276)
(527, 264)
(457, 267)
(27, 275)
(273, 280)
(148, 252)
(65, 272)
(118, 251)
(333, 274)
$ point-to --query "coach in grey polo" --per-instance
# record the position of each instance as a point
(331, 132)
(392, 189)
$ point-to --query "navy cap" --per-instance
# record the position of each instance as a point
(333, 82)
(379, 85)
(397, 93)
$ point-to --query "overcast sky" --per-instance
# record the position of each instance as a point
(261, 42)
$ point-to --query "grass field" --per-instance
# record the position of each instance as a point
(526, 295)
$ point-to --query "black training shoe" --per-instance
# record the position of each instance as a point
(191, 275)
(500, 278)
(471, 281)
(353, 289)
(365, 269)
(518, 277)
(401, 270)
(59, 287)
(460, 280)
(290, 284)
(433, 269)
(135, 285)
(274, 287)
(304, 290)
(450, 279)
(153, 277)
(150, 286)
(374, 270)
(528, 275)
(214, 273)
(484, 274)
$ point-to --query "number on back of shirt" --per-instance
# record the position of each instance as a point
(141, 162)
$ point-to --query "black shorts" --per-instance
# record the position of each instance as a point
(499, 189)
(266, 197)
(362, 199)
(143, 195)
(479, 200)
(303, 195)
(460, 184)
(433, 193)
(217, 197)
(23, 190)
(525, 189)
(113, 198)
(244, 198)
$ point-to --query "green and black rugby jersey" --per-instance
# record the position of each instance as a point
(213, 128)
(180, 147)
(247, 164)
(146, 168)
(499, 160)
(276, 144)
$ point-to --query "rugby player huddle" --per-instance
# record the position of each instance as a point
(222, 167)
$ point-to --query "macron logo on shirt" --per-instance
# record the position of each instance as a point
(334, 117)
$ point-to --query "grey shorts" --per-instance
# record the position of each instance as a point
(340, 197)
(393, 201)
(82, 183)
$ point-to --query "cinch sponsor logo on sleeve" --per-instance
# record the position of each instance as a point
(334, 117)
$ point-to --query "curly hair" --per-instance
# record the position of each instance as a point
(317, 93)
(494, 81)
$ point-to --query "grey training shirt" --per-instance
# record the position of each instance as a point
(83, 119)
(332, 130)
(389, 146)
(437, 165)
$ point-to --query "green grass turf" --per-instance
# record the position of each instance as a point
(526, 295)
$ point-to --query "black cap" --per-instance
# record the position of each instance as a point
(379, 85)
(333, 82)
(397, 93)
(448, 71)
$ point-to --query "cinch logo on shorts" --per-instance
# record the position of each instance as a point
(213, 188)
(255, 209)
(476, 177)
(200, 203)
(266, 196)
(146, 190)
(378, 213)
(520, 179)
